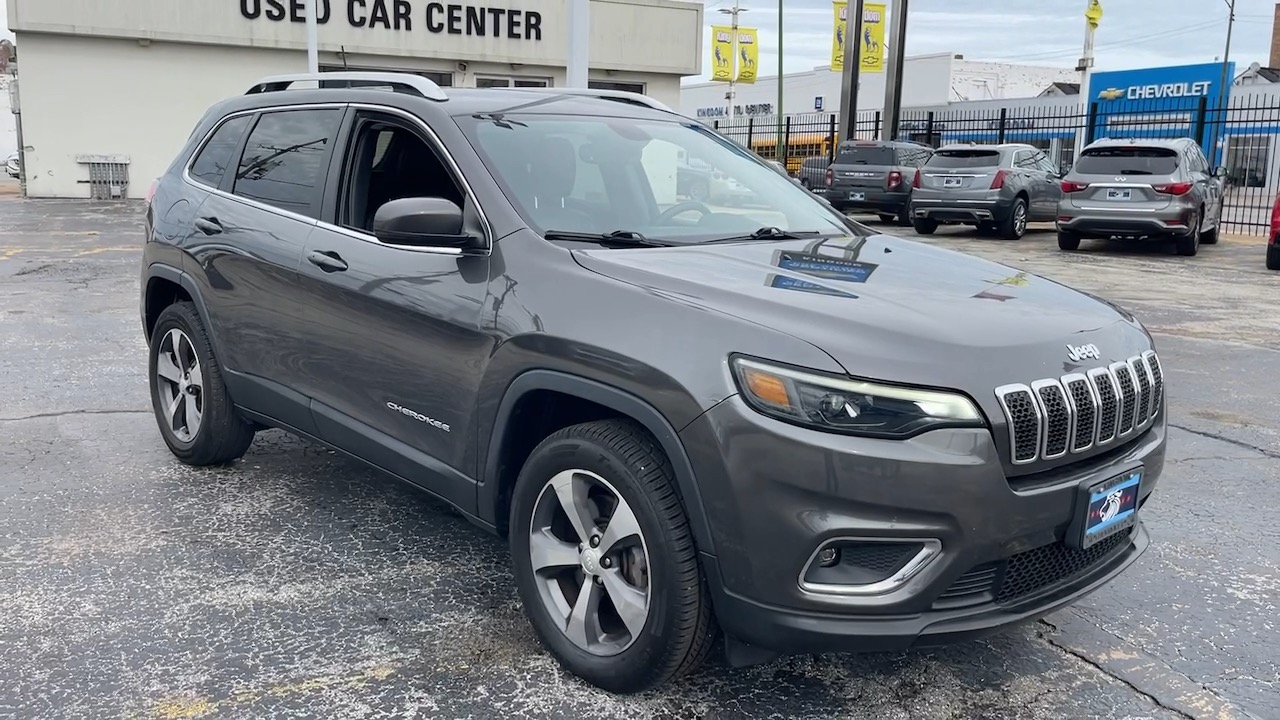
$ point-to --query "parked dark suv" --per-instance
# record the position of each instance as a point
(770, 421)
(875, 176)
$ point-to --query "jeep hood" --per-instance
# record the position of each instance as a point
(888, 308)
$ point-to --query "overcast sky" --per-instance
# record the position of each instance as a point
(1133, 33)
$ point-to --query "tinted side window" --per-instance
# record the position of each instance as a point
(286, 158)
(217, 155)
(1024, 160)
(1044, 163)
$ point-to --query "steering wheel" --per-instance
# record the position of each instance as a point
(683, 207)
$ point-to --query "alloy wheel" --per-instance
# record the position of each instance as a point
(180, 384)
(590, 562)
(1020, 219)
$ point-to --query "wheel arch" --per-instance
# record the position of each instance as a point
(166, 285)
(494, 492)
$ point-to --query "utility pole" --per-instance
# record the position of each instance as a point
(849, 79)
(1224, 87)
(893, 79)
(313, 50)
(778, 110)
(576, 69)
(1092, 16)
(733, 68)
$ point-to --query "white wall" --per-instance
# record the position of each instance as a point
(8, 124)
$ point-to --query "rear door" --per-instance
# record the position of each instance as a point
(862, 166)
(1052, 183)
(244, 255)
(1125, 178)
(961, 171)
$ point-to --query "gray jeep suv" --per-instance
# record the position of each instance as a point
(998, 188)
(875, 176)
(1148, 188)
(768, 430)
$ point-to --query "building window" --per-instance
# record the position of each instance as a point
(506, 82)
(1247, 160)
(443, 79)
(619, 86)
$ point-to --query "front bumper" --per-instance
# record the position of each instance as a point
(776, 492)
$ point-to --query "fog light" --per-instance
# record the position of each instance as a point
(828, 557)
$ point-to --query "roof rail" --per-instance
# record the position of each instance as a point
(407, 83)
(619, 95)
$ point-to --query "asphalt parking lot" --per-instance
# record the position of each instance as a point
(298, 584)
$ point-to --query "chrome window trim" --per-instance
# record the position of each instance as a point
(1067, 380)
(1043, 440)
(468, 191)
(1002, 394)
(930, 549)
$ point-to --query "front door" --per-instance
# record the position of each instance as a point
(396, 342)
(248, 238)
(1051, 177)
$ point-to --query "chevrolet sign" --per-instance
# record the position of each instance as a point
(1158, 91)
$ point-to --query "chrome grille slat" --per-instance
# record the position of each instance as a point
(1053, 417)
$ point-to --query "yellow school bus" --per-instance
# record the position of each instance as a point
(798, 147)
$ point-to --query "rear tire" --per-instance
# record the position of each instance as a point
(1068, 241)
(924, 226)
(193, 408)
(1014, 226)
(1188, 245)
(614, 475)
(987, 228)
(886, 218)
(904, 216)
(1273, 257)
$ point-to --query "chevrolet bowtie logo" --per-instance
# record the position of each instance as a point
(1111, 94)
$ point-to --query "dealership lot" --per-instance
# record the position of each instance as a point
(298, 583)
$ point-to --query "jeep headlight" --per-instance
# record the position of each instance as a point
(853, 407)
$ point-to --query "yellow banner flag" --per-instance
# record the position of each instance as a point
(871, 44)
(870, 47)
(748, 54)
(721, 53)
(841, 9)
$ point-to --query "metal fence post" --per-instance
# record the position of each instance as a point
(831, 139)
(751, 127)
(928, 129)
(786, 143)
(1004, 116)
(1202, 109)
(1091, 126)
(876, 132)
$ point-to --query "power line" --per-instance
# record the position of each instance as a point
(1139, 40)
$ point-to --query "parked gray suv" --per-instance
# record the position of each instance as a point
(1148, 188)
(998, 188)
(767, 429)
(875, 176)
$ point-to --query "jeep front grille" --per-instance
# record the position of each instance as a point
(1053, 417)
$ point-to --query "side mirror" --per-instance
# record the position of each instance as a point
(420, 222)
(1063, 169)
(1220, 171)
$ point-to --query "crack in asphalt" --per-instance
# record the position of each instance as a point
(1100, 668)
(1238, 443)
(65, 413)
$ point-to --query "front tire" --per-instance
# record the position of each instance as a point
(1273, 257)
(193, 408)
(1188, 245)
(604, 560)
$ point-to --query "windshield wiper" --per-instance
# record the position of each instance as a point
(766, 233)
(618, 238)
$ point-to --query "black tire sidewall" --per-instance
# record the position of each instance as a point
(1010, 230)
(632, 667)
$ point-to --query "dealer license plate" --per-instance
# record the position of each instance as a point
(857, 196)
(1119, 194)
(952, 182)
(1110, 507)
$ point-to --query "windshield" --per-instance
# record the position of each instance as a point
(670, 181)
(1127, 161)
(864, 155)
(964, 159)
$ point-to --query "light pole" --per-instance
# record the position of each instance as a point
(849, 79)
(576, 70)
(893, 80)
(313, 50)
(1092, 16)
(779, 111)
(733, 76)
(1224, 87)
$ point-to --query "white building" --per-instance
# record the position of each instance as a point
(928, 80)
(127, 81)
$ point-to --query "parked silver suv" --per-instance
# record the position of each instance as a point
(998, 188)
(1147, 188)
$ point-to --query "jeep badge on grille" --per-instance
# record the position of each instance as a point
(1076, 353)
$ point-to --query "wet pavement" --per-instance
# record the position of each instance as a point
(296, 583)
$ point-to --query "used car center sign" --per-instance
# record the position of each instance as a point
(406, 16)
